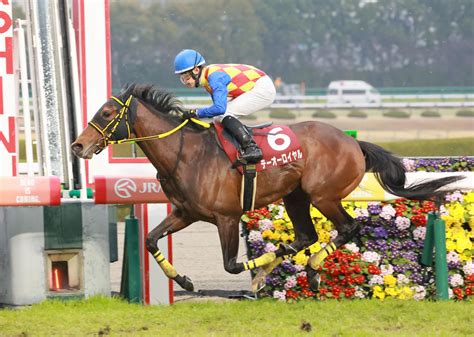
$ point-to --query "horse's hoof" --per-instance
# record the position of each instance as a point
(313, 278)
(184, 282)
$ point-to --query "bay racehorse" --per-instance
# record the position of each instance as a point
(196, 176)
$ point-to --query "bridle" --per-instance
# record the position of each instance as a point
(119, 129)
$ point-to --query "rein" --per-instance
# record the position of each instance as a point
(107, 136)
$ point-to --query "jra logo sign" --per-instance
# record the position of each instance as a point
(128, 190)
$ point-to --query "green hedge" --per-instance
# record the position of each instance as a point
(282, 113)
(357, 114)
(324, 114)
(397, 114)
(465, 113)
(248, 117)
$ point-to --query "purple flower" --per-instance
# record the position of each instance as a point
(412, 256)
(365, 230)
(374, 208)
(416, 278)
(395, 245)
(274, 280)
(257, 248)
(454, 265)
(439, 164)
(380, 232)
(288, 267)
(408, 244)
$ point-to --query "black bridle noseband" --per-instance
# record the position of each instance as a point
(120, 128)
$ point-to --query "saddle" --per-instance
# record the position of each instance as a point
(278, 144)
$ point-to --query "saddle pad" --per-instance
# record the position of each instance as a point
(278, 143)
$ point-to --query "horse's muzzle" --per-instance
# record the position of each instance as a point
(78, 150)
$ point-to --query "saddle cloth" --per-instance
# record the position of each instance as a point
(278, 143)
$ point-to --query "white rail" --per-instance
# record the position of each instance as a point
(320, 102)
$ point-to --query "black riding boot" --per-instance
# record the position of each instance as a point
(249, 151)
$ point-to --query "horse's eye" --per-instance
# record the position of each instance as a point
(106, 114)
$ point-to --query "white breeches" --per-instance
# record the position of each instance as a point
(261, 96)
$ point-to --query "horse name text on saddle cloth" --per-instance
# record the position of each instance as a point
(278, 143)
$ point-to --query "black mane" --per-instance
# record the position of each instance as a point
(161, 100)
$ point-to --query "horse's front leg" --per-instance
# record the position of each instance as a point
(228, 228)
(174, 222)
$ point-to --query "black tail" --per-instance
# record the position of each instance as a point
(390, 173)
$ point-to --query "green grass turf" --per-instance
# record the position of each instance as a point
(432, 147)
(105, 316)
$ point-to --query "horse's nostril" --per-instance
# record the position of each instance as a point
(76, 147)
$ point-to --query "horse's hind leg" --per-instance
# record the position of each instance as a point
(346, 227)
(174, 222)
(297, 205)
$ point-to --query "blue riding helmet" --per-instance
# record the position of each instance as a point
(186, 60)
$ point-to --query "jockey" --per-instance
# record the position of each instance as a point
(236, 90)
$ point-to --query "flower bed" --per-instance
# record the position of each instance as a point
(385, 260)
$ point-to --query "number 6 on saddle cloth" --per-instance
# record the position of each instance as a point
(279, 146)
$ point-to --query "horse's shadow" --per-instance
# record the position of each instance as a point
(181, 295)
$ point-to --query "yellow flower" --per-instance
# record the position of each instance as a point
(267, 234)
(315, 247)
(328, 226)
(390, 280)
(469, 197)
(405, 293)
(462, 244)
(324, 236)
(361, 204)
(450, 245)
(275, 236)
(379, 293)
(284, 237)
(279, 224)
(456, 211)
(301, 258)
(466, 255)
(392, 291)
(315, 213)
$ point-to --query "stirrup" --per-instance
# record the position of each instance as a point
(251, 158)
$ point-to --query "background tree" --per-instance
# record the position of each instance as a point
(387, 43)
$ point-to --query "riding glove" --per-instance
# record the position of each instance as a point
(192, 113)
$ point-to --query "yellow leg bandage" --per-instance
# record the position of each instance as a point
(260, 261)
(317, 259)
(164, 264)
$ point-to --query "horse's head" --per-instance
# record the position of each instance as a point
(114, 121)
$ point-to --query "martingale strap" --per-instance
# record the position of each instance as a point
(249, 187)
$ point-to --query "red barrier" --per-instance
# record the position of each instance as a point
(128, 190)
(30, 191)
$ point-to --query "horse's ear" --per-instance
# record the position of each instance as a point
(127, 89)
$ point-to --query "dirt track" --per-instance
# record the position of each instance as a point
(197, 254)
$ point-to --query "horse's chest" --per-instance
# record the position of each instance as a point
(173, 191)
